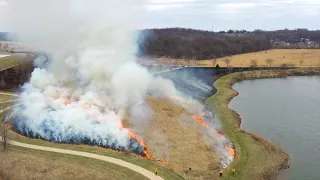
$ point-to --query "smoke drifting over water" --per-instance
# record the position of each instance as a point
(91, 80)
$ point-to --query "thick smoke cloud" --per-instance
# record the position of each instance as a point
(91, 81)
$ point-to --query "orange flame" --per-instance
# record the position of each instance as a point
(231, 150)
(200, 121)
(86, 106)
(133, 136)
(66, 103)
(148, 156)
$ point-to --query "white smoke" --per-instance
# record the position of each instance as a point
(91, 81)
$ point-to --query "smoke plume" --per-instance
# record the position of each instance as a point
(91, 81)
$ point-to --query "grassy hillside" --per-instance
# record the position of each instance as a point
(164, 171)
(174, 135)
(8, 62)
(21, 163)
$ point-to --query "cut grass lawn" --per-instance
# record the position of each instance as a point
(310, 57)
(256, 158)
(21, 163)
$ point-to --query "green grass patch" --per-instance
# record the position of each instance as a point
(164, 172)
(8, 62)
(109, 170)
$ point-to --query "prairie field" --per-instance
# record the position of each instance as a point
(278, 57)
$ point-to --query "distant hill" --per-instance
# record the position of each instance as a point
(4, 36)
(183, 43)
(290, 36)
(197, 44)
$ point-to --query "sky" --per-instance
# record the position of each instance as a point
(234, 14)
(219, 15)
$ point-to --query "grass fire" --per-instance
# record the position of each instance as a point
(91, 91)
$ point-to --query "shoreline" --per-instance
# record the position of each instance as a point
(256, 158)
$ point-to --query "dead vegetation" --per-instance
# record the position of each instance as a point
(270, 58)
(174, 135)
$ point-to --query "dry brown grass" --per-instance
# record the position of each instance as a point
(310, 57)
(19, 163)
(174, 135)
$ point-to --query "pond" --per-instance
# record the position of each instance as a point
(285, 111)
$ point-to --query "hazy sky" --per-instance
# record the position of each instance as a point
(234, 14)
(230, 14)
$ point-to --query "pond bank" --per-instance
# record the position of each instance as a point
(256, 158)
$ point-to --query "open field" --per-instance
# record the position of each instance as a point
(8, 62)
(256, 158)
(22, 163)
(310, 57)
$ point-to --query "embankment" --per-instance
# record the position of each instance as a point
(256, 157)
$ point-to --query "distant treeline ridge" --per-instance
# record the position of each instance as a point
(183, 43)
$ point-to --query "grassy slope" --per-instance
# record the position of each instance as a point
(256, 158)
(8, 62)
(174, 135)
(164, 172)
(311, 57)
(166, 120)
(22, 163)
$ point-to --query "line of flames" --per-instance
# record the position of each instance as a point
(140, 141)
(148, 156)
(229, 149)
(131, 134)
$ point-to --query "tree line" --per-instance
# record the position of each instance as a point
(183, 43)
(196, 44)
(290, 36)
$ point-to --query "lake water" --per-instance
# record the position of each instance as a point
(287, 112)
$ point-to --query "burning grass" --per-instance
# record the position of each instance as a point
(164, 170)
(20, 163)
(256, 158)
(176, 143)
(174, 135)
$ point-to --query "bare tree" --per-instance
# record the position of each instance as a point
(301, 62)
(214, 62)
(227, 61)
(254, 63)
(269, 62)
